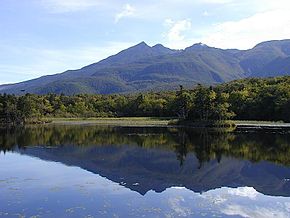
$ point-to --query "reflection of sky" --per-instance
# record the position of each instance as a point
(31, 187)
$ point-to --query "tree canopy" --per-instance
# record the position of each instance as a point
(248, 99)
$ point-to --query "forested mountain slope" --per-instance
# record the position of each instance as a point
(143, 68)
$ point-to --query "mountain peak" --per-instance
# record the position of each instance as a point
(200, 44)
(160, 49)
(158, 46)
(142, 44)
(197, 47)
(142, 67)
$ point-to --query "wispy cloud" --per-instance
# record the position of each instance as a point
(257, 212)
(247, 32)
(266, 24)
(219, 23)
(205, 14)
(178, 209)
(127, 11)
(248, 192)
(175, 35)
(247, 202)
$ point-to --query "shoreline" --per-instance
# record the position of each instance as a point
(166, 122)
(127, 121)
(232, 125)
(263, 127)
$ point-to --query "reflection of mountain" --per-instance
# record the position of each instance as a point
(142, 169)
(158, 158)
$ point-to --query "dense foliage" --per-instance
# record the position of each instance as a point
(250, 99)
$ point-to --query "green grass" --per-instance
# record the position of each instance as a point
(149, 121)
(122, 121)
(256, 122)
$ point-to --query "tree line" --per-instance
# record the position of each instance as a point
(247, 99)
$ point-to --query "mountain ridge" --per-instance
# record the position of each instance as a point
(153, 68)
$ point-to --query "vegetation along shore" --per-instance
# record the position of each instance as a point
(247, 99)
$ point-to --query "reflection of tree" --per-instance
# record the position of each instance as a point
(181, 147)
(208, 146)
(204, 144)
(83, 136)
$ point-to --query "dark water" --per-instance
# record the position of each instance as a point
(89, 171)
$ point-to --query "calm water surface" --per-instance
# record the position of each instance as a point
(90, 171)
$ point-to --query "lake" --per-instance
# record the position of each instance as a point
(95, 171)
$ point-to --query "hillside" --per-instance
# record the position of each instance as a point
(143, 68)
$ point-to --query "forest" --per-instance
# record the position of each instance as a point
(246, 99)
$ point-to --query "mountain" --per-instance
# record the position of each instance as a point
(157, 169)
(144, 68)
(259, 60)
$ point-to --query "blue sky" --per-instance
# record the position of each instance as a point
(40, 37)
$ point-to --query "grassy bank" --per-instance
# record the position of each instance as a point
(257, 122)
(229, 125)
(123, 121)
(143, 121)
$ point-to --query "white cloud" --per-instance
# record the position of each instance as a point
(176, 33)
(205, 14)
(62, 6)
(243, 34)
(247, 202)
(248, 192)
(247, 32)
(127, 11)
(267, 5)
(256, 212)
(176, 205)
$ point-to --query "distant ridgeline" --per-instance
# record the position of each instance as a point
(142, 68)
(247, 99)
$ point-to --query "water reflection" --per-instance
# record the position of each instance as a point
(144, 159)
(31, 187)
(205, 145)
